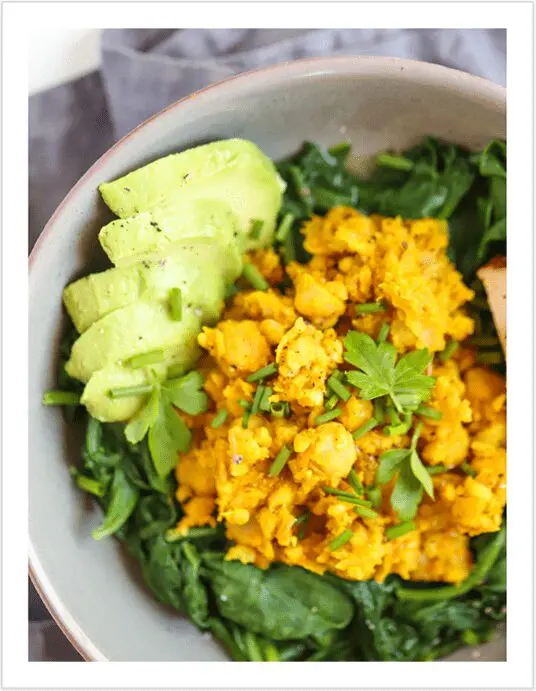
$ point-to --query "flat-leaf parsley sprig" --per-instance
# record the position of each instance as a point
(412, 480)
(167, 432)
(381, 375)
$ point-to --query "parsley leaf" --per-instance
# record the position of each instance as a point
(407, 494)
(380, 375)
(187, 393)
(145, 418)
(412, 480)
(168, 436)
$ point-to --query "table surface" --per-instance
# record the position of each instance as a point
(72, 53)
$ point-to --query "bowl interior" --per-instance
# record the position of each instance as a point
(375, 103)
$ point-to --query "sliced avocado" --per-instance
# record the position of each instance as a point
(234, 170)
(155, 234)
(138, 328)
(191, 268)
(96, 396)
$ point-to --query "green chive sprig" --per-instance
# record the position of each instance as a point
(254, 277)
(365, 428)
(370, 308)
(280, 461)
(340, 540)
(328, 416)
(400, 529)
(61, 398)
(263, 373)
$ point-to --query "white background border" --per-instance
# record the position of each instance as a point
(18, 19)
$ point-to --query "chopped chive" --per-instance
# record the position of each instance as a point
(340, 540)
(484, 341)
(340, 150)
(245, 418)
(279, 409)
(338, 388)
(448, 352)
(400, 428)
(284, 227)
(468, 470)
(219, 418)
(326, 417)
(126, 391)
(61, 398)
(400, 529)
(175, 303)
(354, 482)
(365, 428)
(365, 512)
(256, 228)
(289, 249)
(337, 374)
(254, 277)
(490, 358)
(303, 518)
(302, 190)
(151, 358)
(384, 332)
(346, 496)
(302, 521)
(375, 496)
(88, 484)
(257, 399)
(394, 161)
(379, 410)
(427, 411)
(331, 402)
(265, 401)
(437, 469)
(263, 373)
(280, 461)
(243, 403)
(370, 308)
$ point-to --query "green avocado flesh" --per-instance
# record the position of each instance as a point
(185, 222)
(234, 171)
(190, 269)
(133, 330)
(159, 232)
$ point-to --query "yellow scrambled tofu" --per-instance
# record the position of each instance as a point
(226, 477)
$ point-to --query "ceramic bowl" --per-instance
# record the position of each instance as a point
(90, 587)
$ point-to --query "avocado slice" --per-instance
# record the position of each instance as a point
(138, 328)
(96, 395)
(190, 268)
(156, 233)
(102, 406)
(233, 170)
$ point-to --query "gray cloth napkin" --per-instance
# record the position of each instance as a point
(144, 70)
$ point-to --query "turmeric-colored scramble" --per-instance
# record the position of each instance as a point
(226, 474)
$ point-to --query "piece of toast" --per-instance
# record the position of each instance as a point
(493, 277)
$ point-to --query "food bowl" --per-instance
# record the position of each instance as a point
(91, 588)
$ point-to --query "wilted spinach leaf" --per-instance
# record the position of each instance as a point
(282, 603)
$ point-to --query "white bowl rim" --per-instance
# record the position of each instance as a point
(273, 74)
